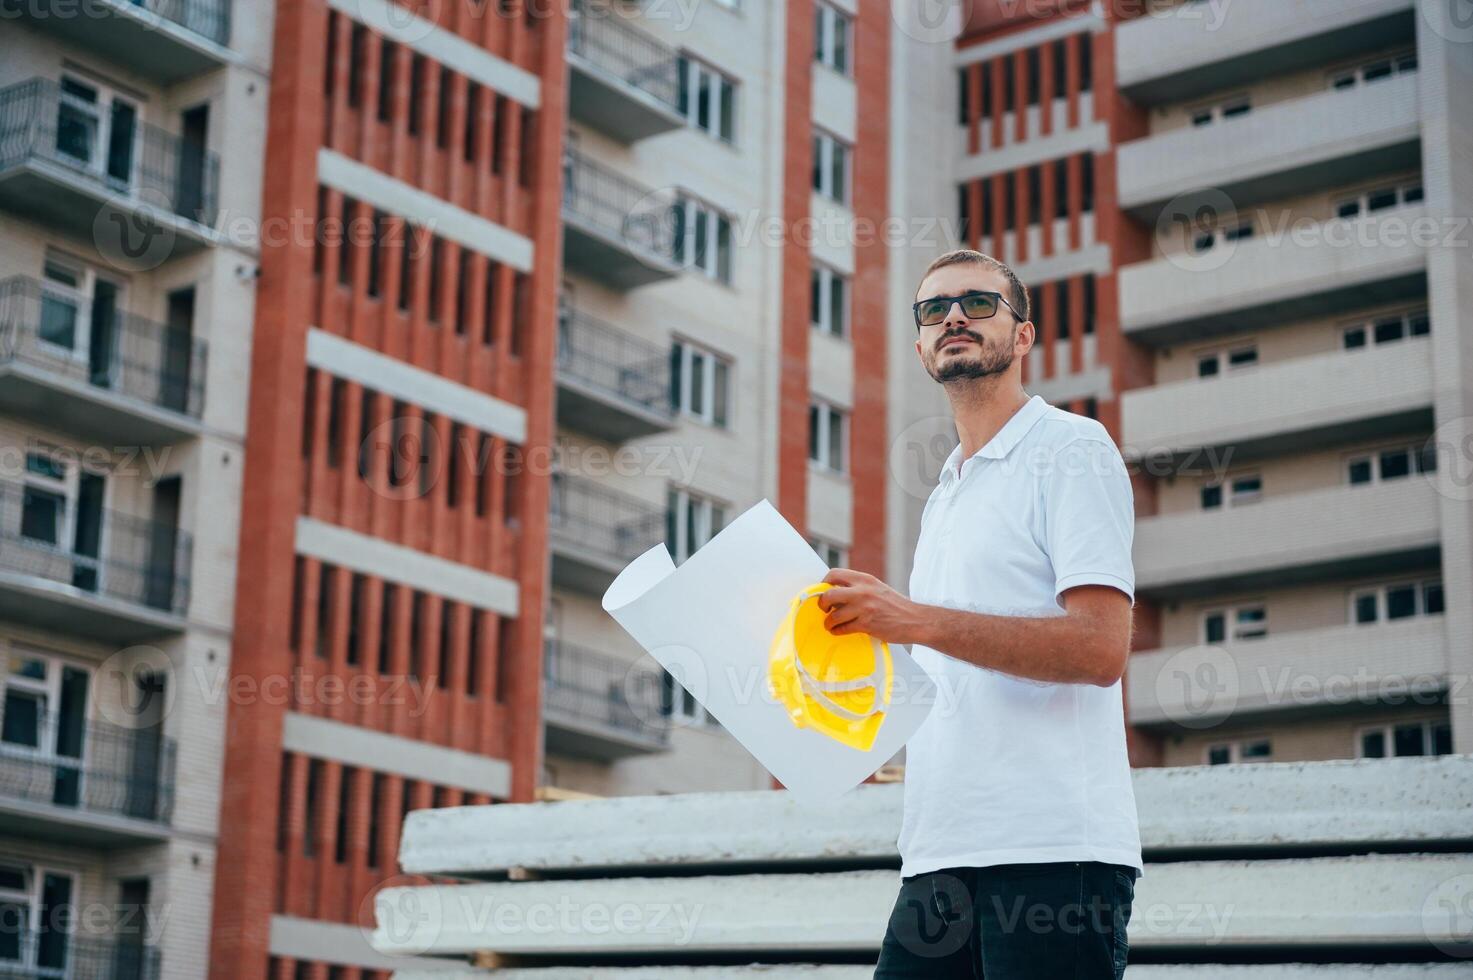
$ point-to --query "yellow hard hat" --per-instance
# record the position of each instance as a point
(836, 685)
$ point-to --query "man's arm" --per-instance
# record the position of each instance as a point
(1089, 644)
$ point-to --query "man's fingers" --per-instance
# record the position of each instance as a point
(836, 620)
(835, 597)
(840, 576)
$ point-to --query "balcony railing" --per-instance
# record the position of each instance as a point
(606, 41)
(642, 219)
(601, 691)
(614, 361)
(604, 524)
(56, 955)
(46, 535)
(69, 336)
(91, 767)
(41, 124)
(210, 19)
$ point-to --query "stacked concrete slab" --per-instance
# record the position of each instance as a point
(1315, 871)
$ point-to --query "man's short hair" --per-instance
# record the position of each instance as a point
(1017, 292)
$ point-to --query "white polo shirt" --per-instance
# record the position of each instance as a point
(1006, 770)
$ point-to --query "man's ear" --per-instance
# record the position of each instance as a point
(1027, 334)
(918, 347)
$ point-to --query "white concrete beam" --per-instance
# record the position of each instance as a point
(809, 971)
(1183, 811)
(1346, 903)
(353, 745)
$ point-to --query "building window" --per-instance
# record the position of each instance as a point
(833, 555)
(707, 99)
(36, 907)
(1234, 624)
(1382, 198)
(700, 384)
(1386, 329)
(1397, 600)
(1399, 741)
(1377, 70)
(832, 30)
(1238, 491)
(1391, 464)
(1212, 363)
(829, 301)
(1207, 115)
(831, 167)
(702, 238)
(1209, 238)
(1244, 750)
(828, 432)
(690, 521)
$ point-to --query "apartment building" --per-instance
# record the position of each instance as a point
(723, 337)
(1269, 321)
(393, 539)
(125, 320)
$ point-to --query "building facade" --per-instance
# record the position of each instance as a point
(1244, 245)
(393, 542)
(127, 136)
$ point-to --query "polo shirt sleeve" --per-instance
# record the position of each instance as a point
(1089, 517)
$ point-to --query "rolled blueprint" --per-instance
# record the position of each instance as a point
(712, 622)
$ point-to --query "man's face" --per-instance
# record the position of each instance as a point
(959, 348)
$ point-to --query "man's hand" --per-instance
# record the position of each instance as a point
(861, 603)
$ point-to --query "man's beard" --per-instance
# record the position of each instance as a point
(993, 357)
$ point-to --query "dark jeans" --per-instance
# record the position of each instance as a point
(1062, 921)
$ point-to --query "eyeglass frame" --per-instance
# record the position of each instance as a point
(915, 308)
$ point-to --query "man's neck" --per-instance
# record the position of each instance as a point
(982, 406)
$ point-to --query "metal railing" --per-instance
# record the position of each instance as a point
(61, 332)
(643, 218)
(601, 355)
(210, 19)
(157, 168)
(57, 955)
(607, 41)
(592, 687)
(92, 766)
(606, 523)
(46, 534)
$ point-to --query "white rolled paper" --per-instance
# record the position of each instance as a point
(711, 622)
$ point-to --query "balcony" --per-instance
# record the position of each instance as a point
(1185, 53)
(1302, 672)
(86, 783)
(1385, 528)
(1289, 273)
(611, 384)
(622, 82)
(1278, 152)
(83, 571)
(55, 955)
(1286, 406)
(164, 41)
(140, 194)
(615, 230)
(594, 532)
(85, 367)
(601, 707)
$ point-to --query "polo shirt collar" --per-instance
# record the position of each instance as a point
(1006, 438)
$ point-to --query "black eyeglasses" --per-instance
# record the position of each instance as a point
(976, 306)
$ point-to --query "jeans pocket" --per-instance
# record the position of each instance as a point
(1120, 919)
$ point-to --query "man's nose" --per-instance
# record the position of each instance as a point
(954, 316)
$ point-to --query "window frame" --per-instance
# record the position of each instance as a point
(693, 212)
(826, 146)
(1231, 621)
(822, 415)
(721, 125)
(1379, 591)
(831, 25)
(822, 280)
(686, 351)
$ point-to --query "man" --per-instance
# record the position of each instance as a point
(1019, 844)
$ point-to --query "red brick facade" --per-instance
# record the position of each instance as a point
(309, 837)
